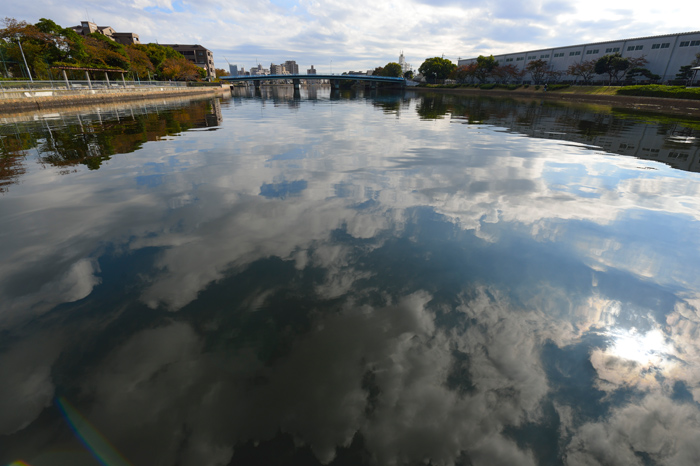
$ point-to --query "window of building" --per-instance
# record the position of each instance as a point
(684, 43)
(509, 59)
(520, 59)
(591, 52)
(639, 47)
(572, 54)
(544, 56)
(612, 49)
(557, 55)
(655, 46)
(532, 57)
(694, 43)
(665, 45)
(630, 48)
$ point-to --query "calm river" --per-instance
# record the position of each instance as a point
(349, 279)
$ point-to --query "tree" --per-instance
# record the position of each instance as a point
(636, 72)
(634, 63)
(584, 70)
(408, 74)
(684, 73)
(378, 71)
(219, 72)
(103, 52)
(464, 73)
(507, 73)
(612, 65)
(140, 64)
(436, 68)
(392, 69)
(181, 69)
(537, 69)
(484, 67)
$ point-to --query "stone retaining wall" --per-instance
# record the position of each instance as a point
(39, 100)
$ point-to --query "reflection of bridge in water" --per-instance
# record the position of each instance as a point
(334, 79)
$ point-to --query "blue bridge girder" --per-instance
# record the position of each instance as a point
(308, 77)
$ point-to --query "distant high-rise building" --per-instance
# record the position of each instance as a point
(277, 69)
(402, 62)
(291, 67)
(311, 70)
(233, 69)
(259, 70)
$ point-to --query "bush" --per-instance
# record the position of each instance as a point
(487, 86)
(657, 90)
(537, 87)
(556, 87)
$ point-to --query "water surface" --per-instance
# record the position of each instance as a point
(349, 279)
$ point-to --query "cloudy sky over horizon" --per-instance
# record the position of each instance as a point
(363, 34)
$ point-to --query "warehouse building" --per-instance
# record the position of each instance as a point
(665, 54)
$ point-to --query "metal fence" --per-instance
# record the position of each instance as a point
(35, 85)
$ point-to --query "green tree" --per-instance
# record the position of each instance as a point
(537, 69)
(436, 68)
(139, 63)
(392, 69)
(103, 52)
(408, 74)
(684, 73)
(485, 67)
(612, 65)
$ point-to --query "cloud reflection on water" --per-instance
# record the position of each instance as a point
(440, 290)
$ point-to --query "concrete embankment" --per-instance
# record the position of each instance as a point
(24, 101)
(642, 104)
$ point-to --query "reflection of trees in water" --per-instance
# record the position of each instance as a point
(644, 136)
(391, 104)
(92, 139)
(12, 144)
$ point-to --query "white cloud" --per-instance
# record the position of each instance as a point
(365, 34)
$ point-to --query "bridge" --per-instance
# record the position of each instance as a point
(334, 79)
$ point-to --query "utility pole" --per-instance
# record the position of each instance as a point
(24, 58)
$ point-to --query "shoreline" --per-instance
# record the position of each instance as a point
(685, 107)
(19, 105)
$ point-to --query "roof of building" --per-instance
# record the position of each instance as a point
(596, 43)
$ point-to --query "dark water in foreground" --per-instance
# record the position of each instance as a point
(349, 279)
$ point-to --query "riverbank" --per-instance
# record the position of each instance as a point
(585, 95)
(50, 99)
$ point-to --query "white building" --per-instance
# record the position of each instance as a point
(404, 66)
(664, 54)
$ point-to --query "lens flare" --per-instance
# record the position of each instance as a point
(89, 436)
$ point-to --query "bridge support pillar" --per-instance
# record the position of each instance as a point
(257, 84)
(373, 85)
(297, 84)
(335, 83)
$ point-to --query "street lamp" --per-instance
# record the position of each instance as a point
(17, 36)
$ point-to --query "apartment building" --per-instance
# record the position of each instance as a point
(124, 38)
(198, 55)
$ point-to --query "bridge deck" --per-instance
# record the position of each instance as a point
(355, 77)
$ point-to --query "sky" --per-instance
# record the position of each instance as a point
(342, 35)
